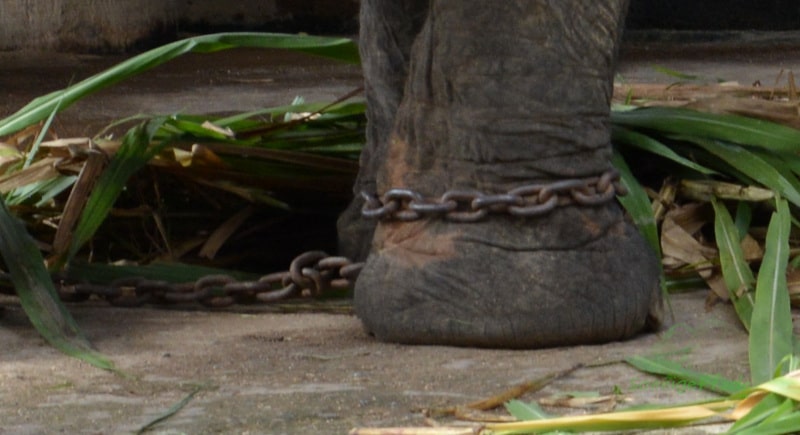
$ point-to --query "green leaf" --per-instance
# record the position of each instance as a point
(781, 411)
(664, 367)
(763, 409)
(788, 424)
(171, 272)
(754, 167)
(525, 411)
(44, 190)
(781, 162)
(132, 155)
(344, 108)
(771, 324)
(624, 136)
(744, 215)
(729, 128)
(196, 129)
(637, 204)
(529, 411)
(37, 295)
(174, 409)
(738, 277)
(342, 49)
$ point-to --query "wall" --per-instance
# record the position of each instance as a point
(715, 14)
(79, 24)
(114, 25)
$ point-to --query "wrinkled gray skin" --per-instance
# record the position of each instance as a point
(471, 94)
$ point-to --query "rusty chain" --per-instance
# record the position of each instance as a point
(313, 273)
(526, 201)
(310, 275)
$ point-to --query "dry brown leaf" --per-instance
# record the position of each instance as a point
(692, 216)
(44, 169)
(224, 232)
(90, 173)
(705, 190)
(9, 155)
(751, 249)
(84, 142)
(202, 155)
(716, 283)
(781, 112)
(570, 401)
(226, 131)
(664, 199)
(682, 93)
(793, 282)
(441, 430)
(746, 405)
(179, 249)
(467, 414)
(24, 137)
(183, 158)
(680, 248)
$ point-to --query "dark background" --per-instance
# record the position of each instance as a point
(714, 14)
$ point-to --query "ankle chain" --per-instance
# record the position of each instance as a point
(471, 206)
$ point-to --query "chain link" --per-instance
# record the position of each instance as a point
(527, 201)
(310, 274)
(313, 273)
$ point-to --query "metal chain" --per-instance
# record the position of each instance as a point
(313, 273)
(527, 201)
(310, 275)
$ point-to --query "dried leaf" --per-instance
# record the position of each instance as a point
(84, 142)
(572, 401)
(793, 283)
(781, 112)
(95, 164)
(680, 248)
(44, 169)
(202, 155)
(691, 217)
(182, 157)
(226, 131)
(224, 232)
(9, 155)
(468, 414)
(716, 283)
(704, 190)
(751, 249)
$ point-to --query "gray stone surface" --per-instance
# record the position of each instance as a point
(267, 373)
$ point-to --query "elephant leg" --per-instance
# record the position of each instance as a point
(388, 29)
(496, 98)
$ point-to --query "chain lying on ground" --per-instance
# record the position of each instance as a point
(310, 275)
(471, 206)
(313, 273)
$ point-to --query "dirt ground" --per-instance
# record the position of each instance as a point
(261, 372)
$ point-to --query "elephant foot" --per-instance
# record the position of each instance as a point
(576, 276)
(354, 232)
